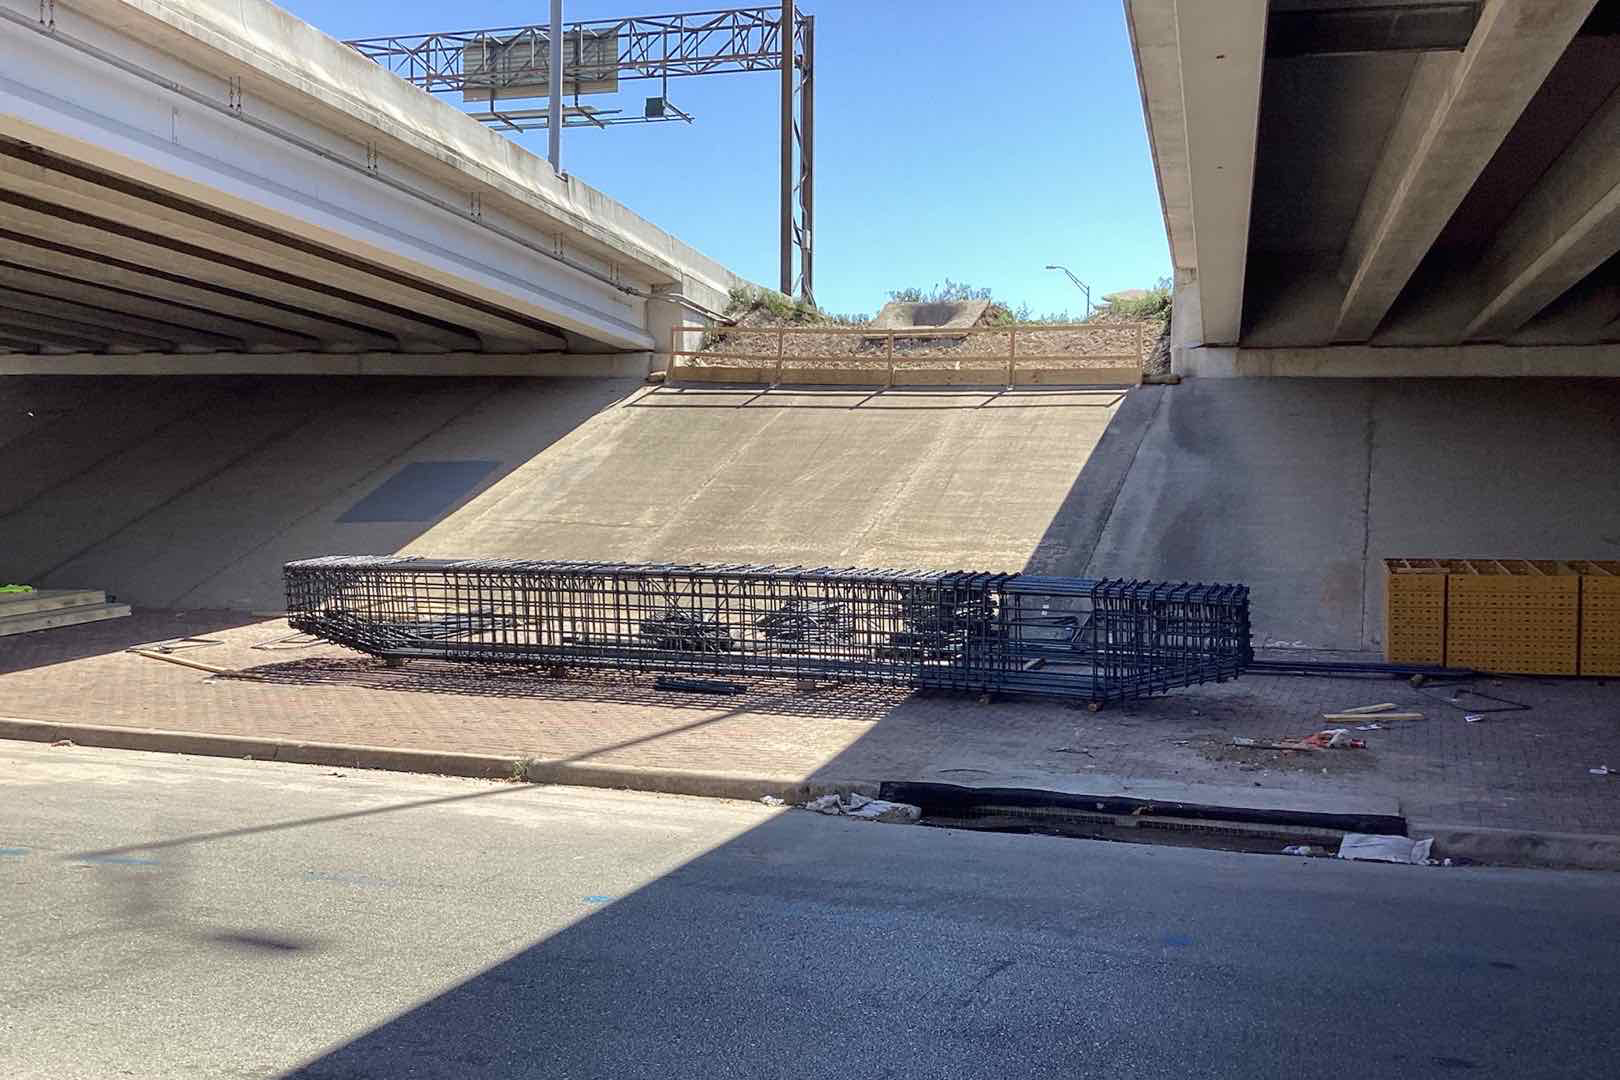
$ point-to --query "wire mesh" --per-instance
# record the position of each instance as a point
(1085, 639)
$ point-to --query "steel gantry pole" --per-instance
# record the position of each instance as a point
(554, 87)
(788, 51)
(807, 159)
(767, 37)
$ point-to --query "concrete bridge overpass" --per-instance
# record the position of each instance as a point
(216, 188)
(1399, 187)
(195, 186)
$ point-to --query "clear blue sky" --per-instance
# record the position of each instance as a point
(971, 141)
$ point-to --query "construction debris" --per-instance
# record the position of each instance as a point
(1352, 714)
(196, 665)
(864, 809)
(1388, 706)
(1335, 739)
(1396, 849)
(1331, 739)
(1264, 744)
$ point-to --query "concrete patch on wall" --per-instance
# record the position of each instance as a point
(421, 491)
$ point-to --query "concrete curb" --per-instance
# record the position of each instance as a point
(441, 763)
(1522, 847)
(1499, 847)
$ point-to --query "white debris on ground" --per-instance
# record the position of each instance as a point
(1395, 849)
(864, 809)
(772, 800)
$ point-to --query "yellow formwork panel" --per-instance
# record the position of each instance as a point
(1414, 611)
(1513, 615)
(1600, 616)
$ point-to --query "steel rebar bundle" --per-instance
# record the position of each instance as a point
(1077, 638)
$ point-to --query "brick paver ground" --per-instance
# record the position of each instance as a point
(1523, 769)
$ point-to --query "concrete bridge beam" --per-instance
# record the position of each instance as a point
(232, 333)
(103, 337)
(1566, 228)
(61, 260)
(117, 240)
(1457, 111)
(36, 177)
(180, 337)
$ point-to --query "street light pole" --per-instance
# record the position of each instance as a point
(1082, 286)
(554, 84)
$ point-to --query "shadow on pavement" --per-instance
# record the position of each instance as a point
(143, 627)
(192, 491)
(763, 696)
(1070, 542)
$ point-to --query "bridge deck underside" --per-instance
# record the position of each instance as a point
(92, 262)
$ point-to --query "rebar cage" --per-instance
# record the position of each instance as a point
(1079, 638)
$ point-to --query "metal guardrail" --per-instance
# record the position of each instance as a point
(1076, 638)
(904, 357)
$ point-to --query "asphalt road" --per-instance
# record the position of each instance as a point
(181, 917)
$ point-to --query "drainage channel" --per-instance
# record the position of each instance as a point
(1134, 821)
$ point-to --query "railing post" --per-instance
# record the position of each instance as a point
(781, 335)
(1012, 353)
(891, 359)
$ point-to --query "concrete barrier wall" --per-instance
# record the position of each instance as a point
(1301, 487)
(192, 492)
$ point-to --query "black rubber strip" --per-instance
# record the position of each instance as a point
(954, 800)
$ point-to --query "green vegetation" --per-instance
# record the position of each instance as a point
(1147, 305)
(768, 305)
(16, 588)
(752, 306)
(1144, 304)
(950, 292)
(1000, 313)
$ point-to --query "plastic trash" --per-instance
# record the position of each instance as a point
(1472, 718)
(1604, 770)
(862, 808)
(771, 800)
(1303, 849)
(1335, 739)
(826, 804)
(1367, 847)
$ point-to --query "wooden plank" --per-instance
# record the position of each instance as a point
(819, 376)
(943, 331)
(1346, 717)
(1264, 744)
(1079, 377)
(48, 600)
(721, 374)
(69, 616)
(950, 377)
